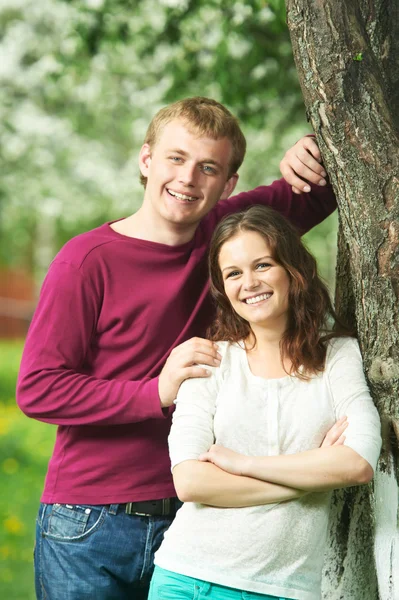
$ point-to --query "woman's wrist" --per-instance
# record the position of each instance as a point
(248, 466)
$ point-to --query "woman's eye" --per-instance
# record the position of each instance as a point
(233, 274)
(264, 265)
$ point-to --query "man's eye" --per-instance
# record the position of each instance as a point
(175, 158)
(208, 169)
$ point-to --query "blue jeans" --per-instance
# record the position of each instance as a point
(166, 585)
(95, 552)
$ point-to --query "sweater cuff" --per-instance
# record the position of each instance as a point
(155, 401)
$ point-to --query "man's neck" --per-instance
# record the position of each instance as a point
(141, 227)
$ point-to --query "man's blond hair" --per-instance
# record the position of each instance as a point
(207, 118)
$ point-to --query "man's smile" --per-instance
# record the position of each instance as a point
(183, 197)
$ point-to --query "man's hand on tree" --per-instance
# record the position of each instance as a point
(302, 164)
(183, 363)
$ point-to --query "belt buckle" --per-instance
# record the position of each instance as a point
(129, 511)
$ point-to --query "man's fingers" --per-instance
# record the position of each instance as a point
(293, 180)
(301, 165)
(197, 358)
(194, 357)
(194, 371)
(194, 347)
(307, 159)
(304, 172)
(311, 146)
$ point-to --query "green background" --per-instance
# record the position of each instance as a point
(80, 81)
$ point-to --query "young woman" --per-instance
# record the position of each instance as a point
(246, 443)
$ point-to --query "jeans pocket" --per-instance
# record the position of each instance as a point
(72, 522)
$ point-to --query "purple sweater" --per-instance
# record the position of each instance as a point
(110, 311)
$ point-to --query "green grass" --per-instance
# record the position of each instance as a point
(25, 448)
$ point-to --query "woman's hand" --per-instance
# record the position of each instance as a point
(228, 460)
(237, 464)
(335, 436)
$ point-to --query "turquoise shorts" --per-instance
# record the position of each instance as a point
(166, 585)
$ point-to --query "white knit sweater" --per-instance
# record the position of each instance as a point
(274, 549)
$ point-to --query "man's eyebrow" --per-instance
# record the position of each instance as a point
(211, 161)
(177, 151)
(208, 161)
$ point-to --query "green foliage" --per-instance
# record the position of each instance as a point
(10, 355)
(25, 447)
(81, 80)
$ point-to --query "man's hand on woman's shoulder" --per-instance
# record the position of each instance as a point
(183, 364)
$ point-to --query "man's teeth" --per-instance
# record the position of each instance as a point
(182, 196)
(257, 298)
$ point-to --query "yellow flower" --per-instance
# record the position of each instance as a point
(4, 426)
(13, 525)
(4, 552)
(10, 466)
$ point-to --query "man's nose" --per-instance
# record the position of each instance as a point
(187, 174)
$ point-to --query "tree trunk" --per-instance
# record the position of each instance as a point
(346, 53)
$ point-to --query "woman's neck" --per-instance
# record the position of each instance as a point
(264, 353)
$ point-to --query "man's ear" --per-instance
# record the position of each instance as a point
(145, 159)
(229, 186)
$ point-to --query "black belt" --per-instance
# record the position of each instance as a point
(153, 508)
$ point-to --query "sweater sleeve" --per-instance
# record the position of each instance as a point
(303, 210)
(52, 384)
(351, 397)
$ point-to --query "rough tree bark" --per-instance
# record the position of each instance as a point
(346, 53)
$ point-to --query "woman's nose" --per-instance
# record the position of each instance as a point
(251, 281)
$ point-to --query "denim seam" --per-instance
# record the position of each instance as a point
(82, 536)
(147, 547)
(197, 591)
(40, 551)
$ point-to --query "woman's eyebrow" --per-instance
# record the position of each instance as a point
(253, 262)
(262, 258)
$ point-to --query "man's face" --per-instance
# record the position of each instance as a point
(186, 175)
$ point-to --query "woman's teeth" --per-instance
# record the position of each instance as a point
(257, 298)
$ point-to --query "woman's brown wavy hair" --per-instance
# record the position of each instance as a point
(311, 317)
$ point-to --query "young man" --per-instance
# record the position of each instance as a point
(119, 325)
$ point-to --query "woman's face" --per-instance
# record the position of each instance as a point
(255, 284)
